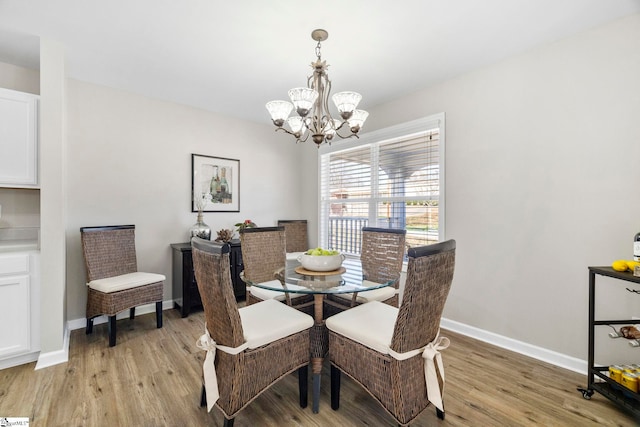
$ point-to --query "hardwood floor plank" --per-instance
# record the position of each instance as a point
(152, 377)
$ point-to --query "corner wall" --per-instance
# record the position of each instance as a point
(53, 191)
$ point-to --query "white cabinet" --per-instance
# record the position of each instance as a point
(19, 316)
(18, 139)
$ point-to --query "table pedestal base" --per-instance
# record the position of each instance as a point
(319, 346)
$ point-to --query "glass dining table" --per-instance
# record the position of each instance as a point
(347, 279)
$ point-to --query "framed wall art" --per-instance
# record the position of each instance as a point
(215, 184)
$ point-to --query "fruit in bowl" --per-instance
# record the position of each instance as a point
(319, 259)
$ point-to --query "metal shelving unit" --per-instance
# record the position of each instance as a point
(617, 393)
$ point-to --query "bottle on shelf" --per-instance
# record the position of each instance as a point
(636, 247)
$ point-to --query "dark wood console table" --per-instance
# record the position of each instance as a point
(185, 288)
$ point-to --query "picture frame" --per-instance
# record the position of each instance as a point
(215, 184)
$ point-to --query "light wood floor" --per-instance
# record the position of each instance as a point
(152, 378)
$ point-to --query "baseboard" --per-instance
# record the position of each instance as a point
(539, 353)
(61, 356)
(19, 360)
(55, 357)
(142, 309)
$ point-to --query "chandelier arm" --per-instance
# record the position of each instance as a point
(328, 120)
(351, 135)
(294, 134)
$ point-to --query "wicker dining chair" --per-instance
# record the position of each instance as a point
(113, 280)
(295, 234)
(264, 259)
(382, 256)
(250, 348)
(388, 350)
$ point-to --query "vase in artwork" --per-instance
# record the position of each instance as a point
(200, 229)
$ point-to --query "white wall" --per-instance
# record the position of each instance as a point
(542, 173)
(53, 206)
(20, 79)
(129, 162)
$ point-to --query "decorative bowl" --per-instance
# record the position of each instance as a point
(321, 262)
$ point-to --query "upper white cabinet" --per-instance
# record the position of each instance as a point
(18, 139)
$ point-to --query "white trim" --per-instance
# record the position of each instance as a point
(539, 353)
(142, 309)
(21, 359)
(55, 357)
(442, 147)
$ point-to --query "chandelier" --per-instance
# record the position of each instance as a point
(311, 104)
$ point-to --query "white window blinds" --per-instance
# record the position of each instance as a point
(393, 181)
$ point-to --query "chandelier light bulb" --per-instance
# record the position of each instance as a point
(279, 111)
(295, 123)
(303, 99)
(346, 102)
(357, 120)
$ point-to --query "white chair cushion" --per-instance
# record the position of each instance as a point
(269, 321)
(125, 281)
(293, 256)
(266, 294)
(369, 324)
(380, 294)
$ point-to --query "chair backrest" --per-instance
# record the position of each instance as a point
(429, 276)
(263, 252)
(213, 275)
(109, 251)
(382, 253)
(295, 234)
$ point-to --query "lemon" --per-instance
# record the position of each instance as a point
(620, 265)
(632, 264)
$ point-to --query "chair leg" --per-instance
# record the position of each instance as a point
(203, 397)
(228, 423)
(89, 329)
(112, 330)
(303, 385)
(159, 314)
(440, 413)
(335, 388)
(132, 313)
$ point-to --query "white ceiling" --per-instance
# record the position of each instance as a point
(233, 56)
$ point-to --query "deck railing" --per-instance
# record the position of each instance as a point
(345, 233)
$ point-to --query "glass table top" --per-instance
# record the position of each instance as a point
(349, 278)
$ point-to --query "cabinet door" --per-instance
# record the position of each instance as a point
(14, 315)
(18, 139)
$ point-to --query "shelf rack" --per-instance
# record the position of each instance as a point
(617, 393)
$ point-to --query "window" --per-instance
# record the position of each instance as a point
(392, 178)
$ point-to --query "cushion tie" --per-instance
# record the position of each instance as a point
(432, 361)
(205, 342)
